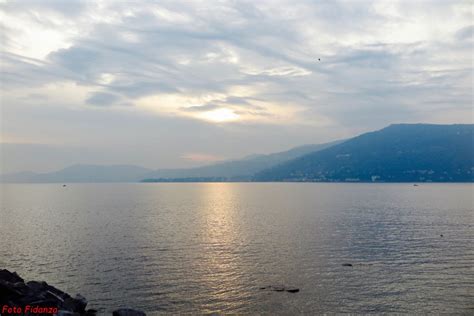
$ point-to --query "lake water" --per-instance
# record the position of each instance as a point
(209, 247)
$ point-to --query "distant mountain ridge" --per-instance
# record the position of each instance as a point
(235, 170)
(397, 153)
(82, 173)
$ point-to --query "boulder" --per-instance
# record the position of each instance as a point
(11, 277)
(277, 288)
(91, 312)
(36, 286)
(76, 304)
(280, 288)
(292, 289)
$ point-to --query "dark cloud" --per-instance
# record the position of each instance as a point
(236, 100)
(102, 99)
(141, 88)
(466, 33)
(78, 59)
(200, 108)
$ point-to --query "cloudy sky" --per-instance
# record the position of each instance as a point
(183, 83)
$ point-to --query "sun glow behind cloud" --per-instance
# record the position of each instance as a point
(220, 115)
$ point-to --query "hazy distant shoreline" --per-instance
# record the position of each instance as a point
(398, 153)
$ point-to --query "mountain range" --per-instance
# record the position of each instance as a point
(397, 153)
(81, 173)
(237, 170)
(233, 170)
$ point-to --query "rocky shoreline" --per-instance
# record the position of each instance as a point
(18, 297)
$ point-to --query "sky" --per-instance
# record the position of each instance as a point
(167, 84)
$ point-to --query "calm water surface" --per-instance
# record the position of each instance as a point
(202, 248)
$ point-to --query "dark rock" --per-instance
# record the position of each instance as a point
(292, 289)
(128, 312)
(58, 294)
(7, 290)
(280, 288)
(36, 286)
(347, 264)
(77, 304)
(441, 235)
(91, 312)
(81, 302)
(11, 277)
(21, 287)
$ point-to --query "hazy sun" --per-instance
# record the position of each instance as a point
(220, 115)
